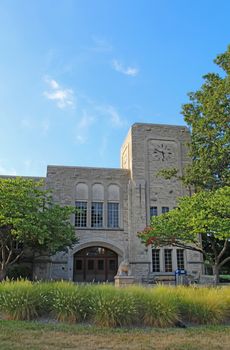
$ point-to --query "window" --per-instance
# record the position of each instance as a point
(112, 265)
(168, 260)
(78, 264)
(113, 215)
(156, 260)
(81, 214)
(180, 259)
(97, 214)
(90, 265)
(165, 210)
(100, 265)
(153, 211)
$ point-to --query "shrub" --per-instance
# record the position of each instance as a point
(19, 300)
(201, 305)
(113, 307)
(156, 307)
(45, 292)
(71, 303)
(16, 272)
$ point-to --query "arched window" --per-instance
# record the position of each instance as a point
(113, 193)
(97, 205)
(82, 194)
(97, 192)
(82, 191)
(113, 206)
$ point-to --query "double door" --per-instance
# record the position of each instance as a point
(95, 267)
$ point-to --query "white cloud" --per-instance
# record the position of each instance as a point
(111, 113)
(63, 97)
(119, 67)
(54, 84)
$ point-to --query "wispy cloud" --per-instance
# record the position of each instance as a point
(101, 45)
(63, 97)
(128, 70)
(112, 115)
(83, 126)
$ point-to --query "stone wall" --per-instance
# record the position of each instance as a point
(147, 149)
(63, 181)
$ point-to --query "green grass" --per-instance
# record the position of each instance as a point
(22, 335)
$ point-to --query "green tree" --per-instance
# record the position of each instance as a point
(30, 220)
(208, 116)
(204, 215)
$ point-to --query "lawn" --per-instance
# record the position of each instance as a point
(22, 335)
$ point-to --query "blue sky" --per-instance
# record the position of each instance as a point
(76, 74)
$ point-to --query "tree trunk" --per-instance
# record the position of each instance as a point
(2, 275)
(216, 271)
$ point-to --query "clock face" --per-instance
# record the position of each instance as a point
(163, 152)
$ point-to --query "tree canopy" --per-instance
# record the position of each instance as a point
(208, 116)
(204, 215)
(30, 219)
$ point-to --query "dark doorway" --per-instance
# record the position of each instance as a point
(95, 264)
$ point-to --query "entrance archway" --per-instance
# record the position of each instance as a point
(95, 264)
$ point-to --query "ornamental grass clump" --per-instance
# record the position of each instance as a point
(45, 292)
(201, 305)
(71, 303)
(113, 307)
(19, 300)
(156, 307)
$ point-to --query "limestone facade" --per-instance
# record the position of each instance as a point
(116, 204)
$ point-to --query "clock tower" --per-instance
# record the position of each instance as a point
(148, 149)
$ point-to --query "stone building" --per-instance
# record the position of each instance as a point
(114, 204)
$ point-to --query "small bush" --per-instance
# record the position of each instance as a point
(19, 300)
(201, 305)
(113, 307)
(45, 292)
(71, 303)
(156, 308)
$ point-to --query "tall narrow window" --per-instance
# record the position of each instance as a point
(168, 260)
(156, 260)
(180, 259)
(97, 214)
(81, 214)
(153, 211)
(165, 210)
(113, 215)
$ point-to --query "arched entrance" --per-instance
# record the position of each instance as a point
(95, 264)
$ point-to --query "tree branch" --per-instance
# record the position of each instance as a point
(16, 259)
(224, 261)
(223, 250)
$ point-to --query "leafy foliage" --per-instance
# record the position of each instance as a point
(206, 215)
(208, 115)
(30, 219)
(105, 305)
